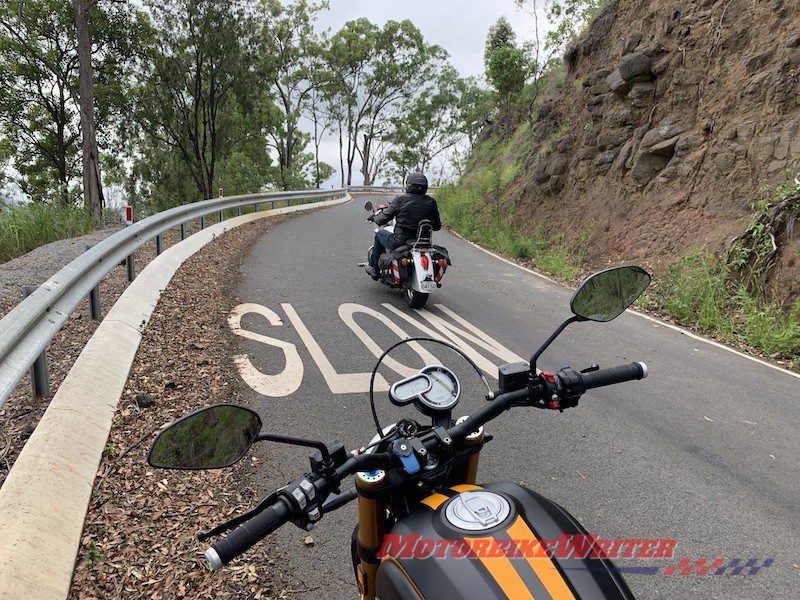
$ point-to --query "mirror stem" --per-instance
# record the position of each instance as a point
(552, 337)
(285, 439)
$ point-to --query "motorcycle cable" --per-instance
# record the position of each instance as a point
(490, 393)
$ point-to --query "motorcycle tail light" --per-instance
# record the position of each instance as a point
(441, 262)
(425, 262)
(405, 262)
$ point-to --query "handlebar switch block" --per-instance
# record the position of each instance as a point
(513, 376)
(573, 387)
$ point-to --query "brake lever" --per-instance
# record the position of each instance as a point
(205, 535)
(594, 367)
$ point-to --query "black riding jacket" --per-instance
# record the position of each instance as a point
(408, 211)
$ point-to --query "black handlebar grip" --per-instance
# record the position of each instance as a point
(631, 372)
(247, 535)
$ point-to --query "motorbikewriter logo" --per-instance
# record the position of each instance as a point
(570, 546)
(566, 546)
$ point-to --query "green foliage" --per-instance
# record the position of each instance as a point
(506, 71)
(698, 290)
(28, 226)
(473, 209)
(38, 83)
(501, 35)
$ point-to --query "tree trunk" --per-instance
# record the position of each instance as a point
(92, 186)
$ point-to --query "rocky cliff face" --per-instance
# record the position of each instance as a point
(673, 118)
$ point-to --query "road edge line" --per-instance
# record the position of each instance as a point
(46, 495)
(678, 328)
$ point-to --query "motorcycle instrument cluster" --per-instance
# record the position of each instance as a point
(435, 389)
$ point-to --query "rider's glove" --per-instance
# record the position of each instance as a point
(371, 218)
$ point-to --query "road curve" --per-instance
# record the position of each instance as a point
(704, 451)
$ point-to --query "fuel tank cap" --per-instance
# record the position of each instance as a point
(477, 511)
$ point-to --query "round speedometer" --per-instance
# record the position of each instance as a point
(443, 393)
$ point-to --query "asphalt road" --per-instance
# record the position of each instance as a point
(705, 451)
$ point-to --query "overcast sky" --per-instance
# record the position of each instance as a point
(459, 26)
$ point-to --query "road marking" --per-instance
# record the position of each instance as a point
(346, 312)
(286, 382)
(677, 328)
(450, 333)
(339, 383)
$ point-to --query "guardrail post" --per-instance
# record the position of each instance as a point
(238, 211)
(40, 375)
(95, 311)
(159, 245)
(202, 222)
(221, 216)
(183, 231)
(130, 263)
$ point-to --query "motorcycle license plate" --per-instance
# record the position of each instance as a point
(428, 286)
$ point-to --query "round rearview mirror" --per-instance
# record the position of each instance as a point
(606, 295)
(368, 205)
(211, 438)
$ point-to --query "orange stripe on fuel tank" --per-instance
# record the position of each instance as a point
(465, 487)
(500, 568)
(541, 564)
(435, 500)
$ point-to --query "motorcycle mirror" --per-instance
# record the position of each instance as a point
(606, 295)
(368, 206)
(211, 438)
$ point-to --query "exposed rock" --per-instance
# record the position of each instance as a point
(622, 160)
(667, 128)
(621, 117)
(616, 83)
(725, 161)
(587, 153)
(759, 61)
(665, 148)
(613, 138)
(557, 165)
(641, 93)
(600, 88)
(793, 41)
(631, 42)
(646, 166)
(688, 143)
(776, 166)
(746, 131)
(661, 64)
(634, 64)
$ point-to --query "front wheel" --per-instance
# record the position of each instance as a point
(416, 299)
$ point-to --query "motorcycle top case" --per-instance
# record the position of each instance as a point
(498, 522)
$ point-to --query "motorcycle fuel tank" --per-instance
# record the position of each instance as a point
(481, 542)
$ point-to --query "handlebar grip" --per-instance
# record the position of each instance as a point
(631, 372)
(247, 535)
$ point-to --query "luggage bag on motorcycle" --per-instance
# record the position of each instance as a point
(502, 525)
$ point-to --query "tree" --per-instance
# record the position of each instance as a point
(289, 50)
(198, 59)
(39, 87)
(501, 35)
(507, 72)
(374, 72)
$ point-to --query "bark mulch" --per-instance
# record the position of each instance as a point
(138, 539)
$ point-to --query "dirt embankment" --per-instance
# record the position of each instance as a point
(673, 119)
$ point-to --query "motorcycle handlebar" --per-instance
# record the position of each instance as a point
(248, 534)
(603, 377)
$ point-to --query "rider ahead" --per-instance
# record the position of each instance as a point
(408, 210)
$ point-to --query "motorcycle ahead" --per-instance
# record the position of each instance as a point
(417, 267)
(416, 482)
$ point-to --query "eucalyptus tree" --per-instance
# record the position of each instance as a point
(376, 72)
(289, 53)
(200, 56)
(39, 96)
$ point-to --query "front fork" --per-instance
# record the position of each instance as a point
(372, 515)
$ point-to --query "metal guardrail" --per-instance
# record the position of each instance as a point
(28, 328)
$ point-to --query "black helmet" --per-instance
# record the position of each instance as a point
(416, 183)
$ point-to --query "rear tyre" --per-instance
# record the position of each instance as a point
(416, 299)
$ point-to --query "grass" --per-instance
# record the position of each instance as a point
(466, 210)
(25, 227)
(697, 290)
